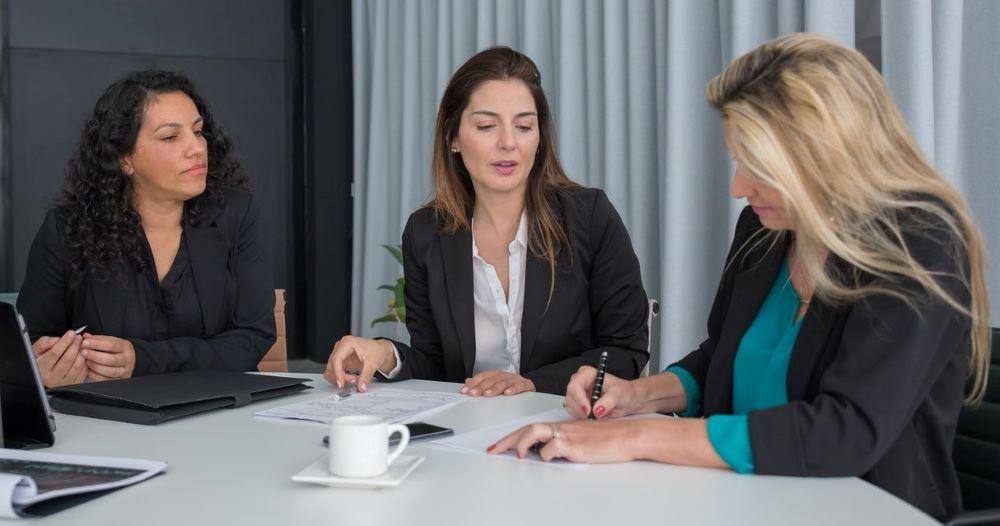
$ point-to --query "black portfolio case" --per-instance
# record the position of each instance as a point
(154, 399)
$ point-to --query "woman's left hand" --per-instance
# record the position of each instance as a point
(492, 383)
(108, 357)
(576, 441)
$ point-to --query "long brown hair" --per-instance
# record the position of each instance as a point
(814, 120)
(454, 197)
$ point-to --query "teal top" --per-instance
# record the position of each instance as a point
(760, 370)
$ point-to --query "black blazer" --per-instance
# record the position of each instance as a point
(598, 303)
(233, 278)
(874, 387)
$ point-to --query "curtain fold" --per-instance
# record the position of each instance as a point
(626, 81)
(940, 61)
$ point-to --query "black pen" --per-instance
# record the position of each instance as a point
(595, 395)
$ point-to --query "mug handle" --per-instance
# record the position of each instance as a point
(404, 440)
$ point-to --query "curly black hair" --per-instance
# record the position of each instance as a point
(102, 225)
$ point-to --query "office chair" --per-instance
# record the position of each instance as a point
(977, 452)
(276, 359)
(654, 312)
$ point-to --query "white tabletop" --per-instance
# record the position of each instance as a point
(227, 467)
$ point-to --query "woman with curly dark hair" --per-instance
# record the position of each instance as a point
(154, 248)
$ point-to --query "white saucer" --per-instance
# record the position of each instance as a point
(319, 473)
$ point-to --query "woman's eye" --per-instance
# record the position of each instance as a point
(525, 128)
(169, 137)
(485, 127)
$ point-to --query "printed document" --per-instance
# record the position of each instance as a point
(394, 405)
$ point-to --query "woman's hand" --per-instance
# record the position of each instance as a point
(575, 441)
(618, 398)
(59, 360)
(108, 358)
(357, 359)
(492, 383)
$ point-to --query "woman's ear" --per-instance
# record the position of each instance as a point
(126, 165)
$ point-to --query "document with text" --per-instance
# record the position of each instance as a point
(394, 405)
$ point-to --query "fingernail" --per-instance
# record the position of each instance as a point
(474, 391)
(488, 391)
(491, 448)
(599, 410)
(508, 391)
(362, 387)
(583, 409)
(463, 390)
(340, 384)
(84, 353)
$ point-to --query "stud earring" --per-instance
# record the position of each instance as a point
(454, 149)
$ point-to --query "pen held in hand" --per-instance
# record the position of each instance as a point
(80, 330)
(595, 395)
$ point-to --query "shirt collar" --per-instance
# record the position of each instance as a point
(520, 239)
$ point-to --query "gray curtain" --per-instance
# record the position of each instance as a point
(626, 80)
(941, 62)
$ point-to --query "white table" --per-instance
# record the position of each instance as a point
(227, 467)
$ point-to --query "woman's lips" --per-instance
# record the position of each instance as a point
(505, 167)
(761, 209)
(196, 170)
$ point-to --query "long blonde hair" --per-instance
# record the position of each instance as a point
(814, 120)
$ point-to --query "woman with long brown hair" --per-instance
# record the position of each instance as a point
(515, 275)
(852, 308)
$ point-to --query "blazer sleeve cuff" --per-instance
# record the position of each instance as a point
(730, 436)
(692, 392)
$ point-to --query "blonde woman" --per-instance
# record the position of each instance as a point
(851, 310)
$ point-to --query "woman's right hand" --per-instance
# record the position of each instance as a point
(59, 359)
(357, 359)
(617, 398)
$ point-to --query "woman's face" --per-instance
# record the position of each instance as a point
(498, 137)
(765, 200)
(170, 159)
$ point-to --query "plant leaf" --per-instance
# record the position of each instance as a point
(396, 251)
(388, 318)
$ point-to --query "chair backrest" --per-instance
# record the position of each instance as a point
(276, 359)
(977, 443)
(9, 297)
(653, 313)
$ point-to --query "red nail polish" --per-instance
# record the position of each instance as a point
(583, 409)
(491, 448)
(599, 410)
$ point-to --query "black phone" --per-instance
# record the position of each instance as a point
(418, 431)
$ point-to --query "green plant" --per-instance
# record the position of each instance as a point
(397, 307)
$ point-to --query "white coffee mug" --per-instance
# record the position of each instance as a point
(359, 445)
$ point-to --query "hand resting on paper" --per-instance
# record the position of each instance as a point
(356, 359)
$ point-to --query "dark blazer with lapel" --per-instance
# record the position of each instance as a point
(874, 387)
(232, 273)
(598, 303)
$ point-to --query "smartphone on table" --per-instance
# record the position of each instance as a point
(418, 431)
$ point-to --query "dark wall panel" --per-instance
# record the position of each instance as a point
(52, 94)
(64, 53)
(213, 28)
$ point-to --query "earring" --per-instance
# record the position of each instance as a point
(454, 149)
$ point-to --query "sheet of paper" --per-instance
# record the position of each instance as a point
(394, 405)
(477, 441)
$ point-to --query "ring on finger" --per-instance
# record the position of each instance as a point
(555, 432)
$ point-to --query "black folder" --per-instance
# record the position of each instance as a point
(154, 399)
